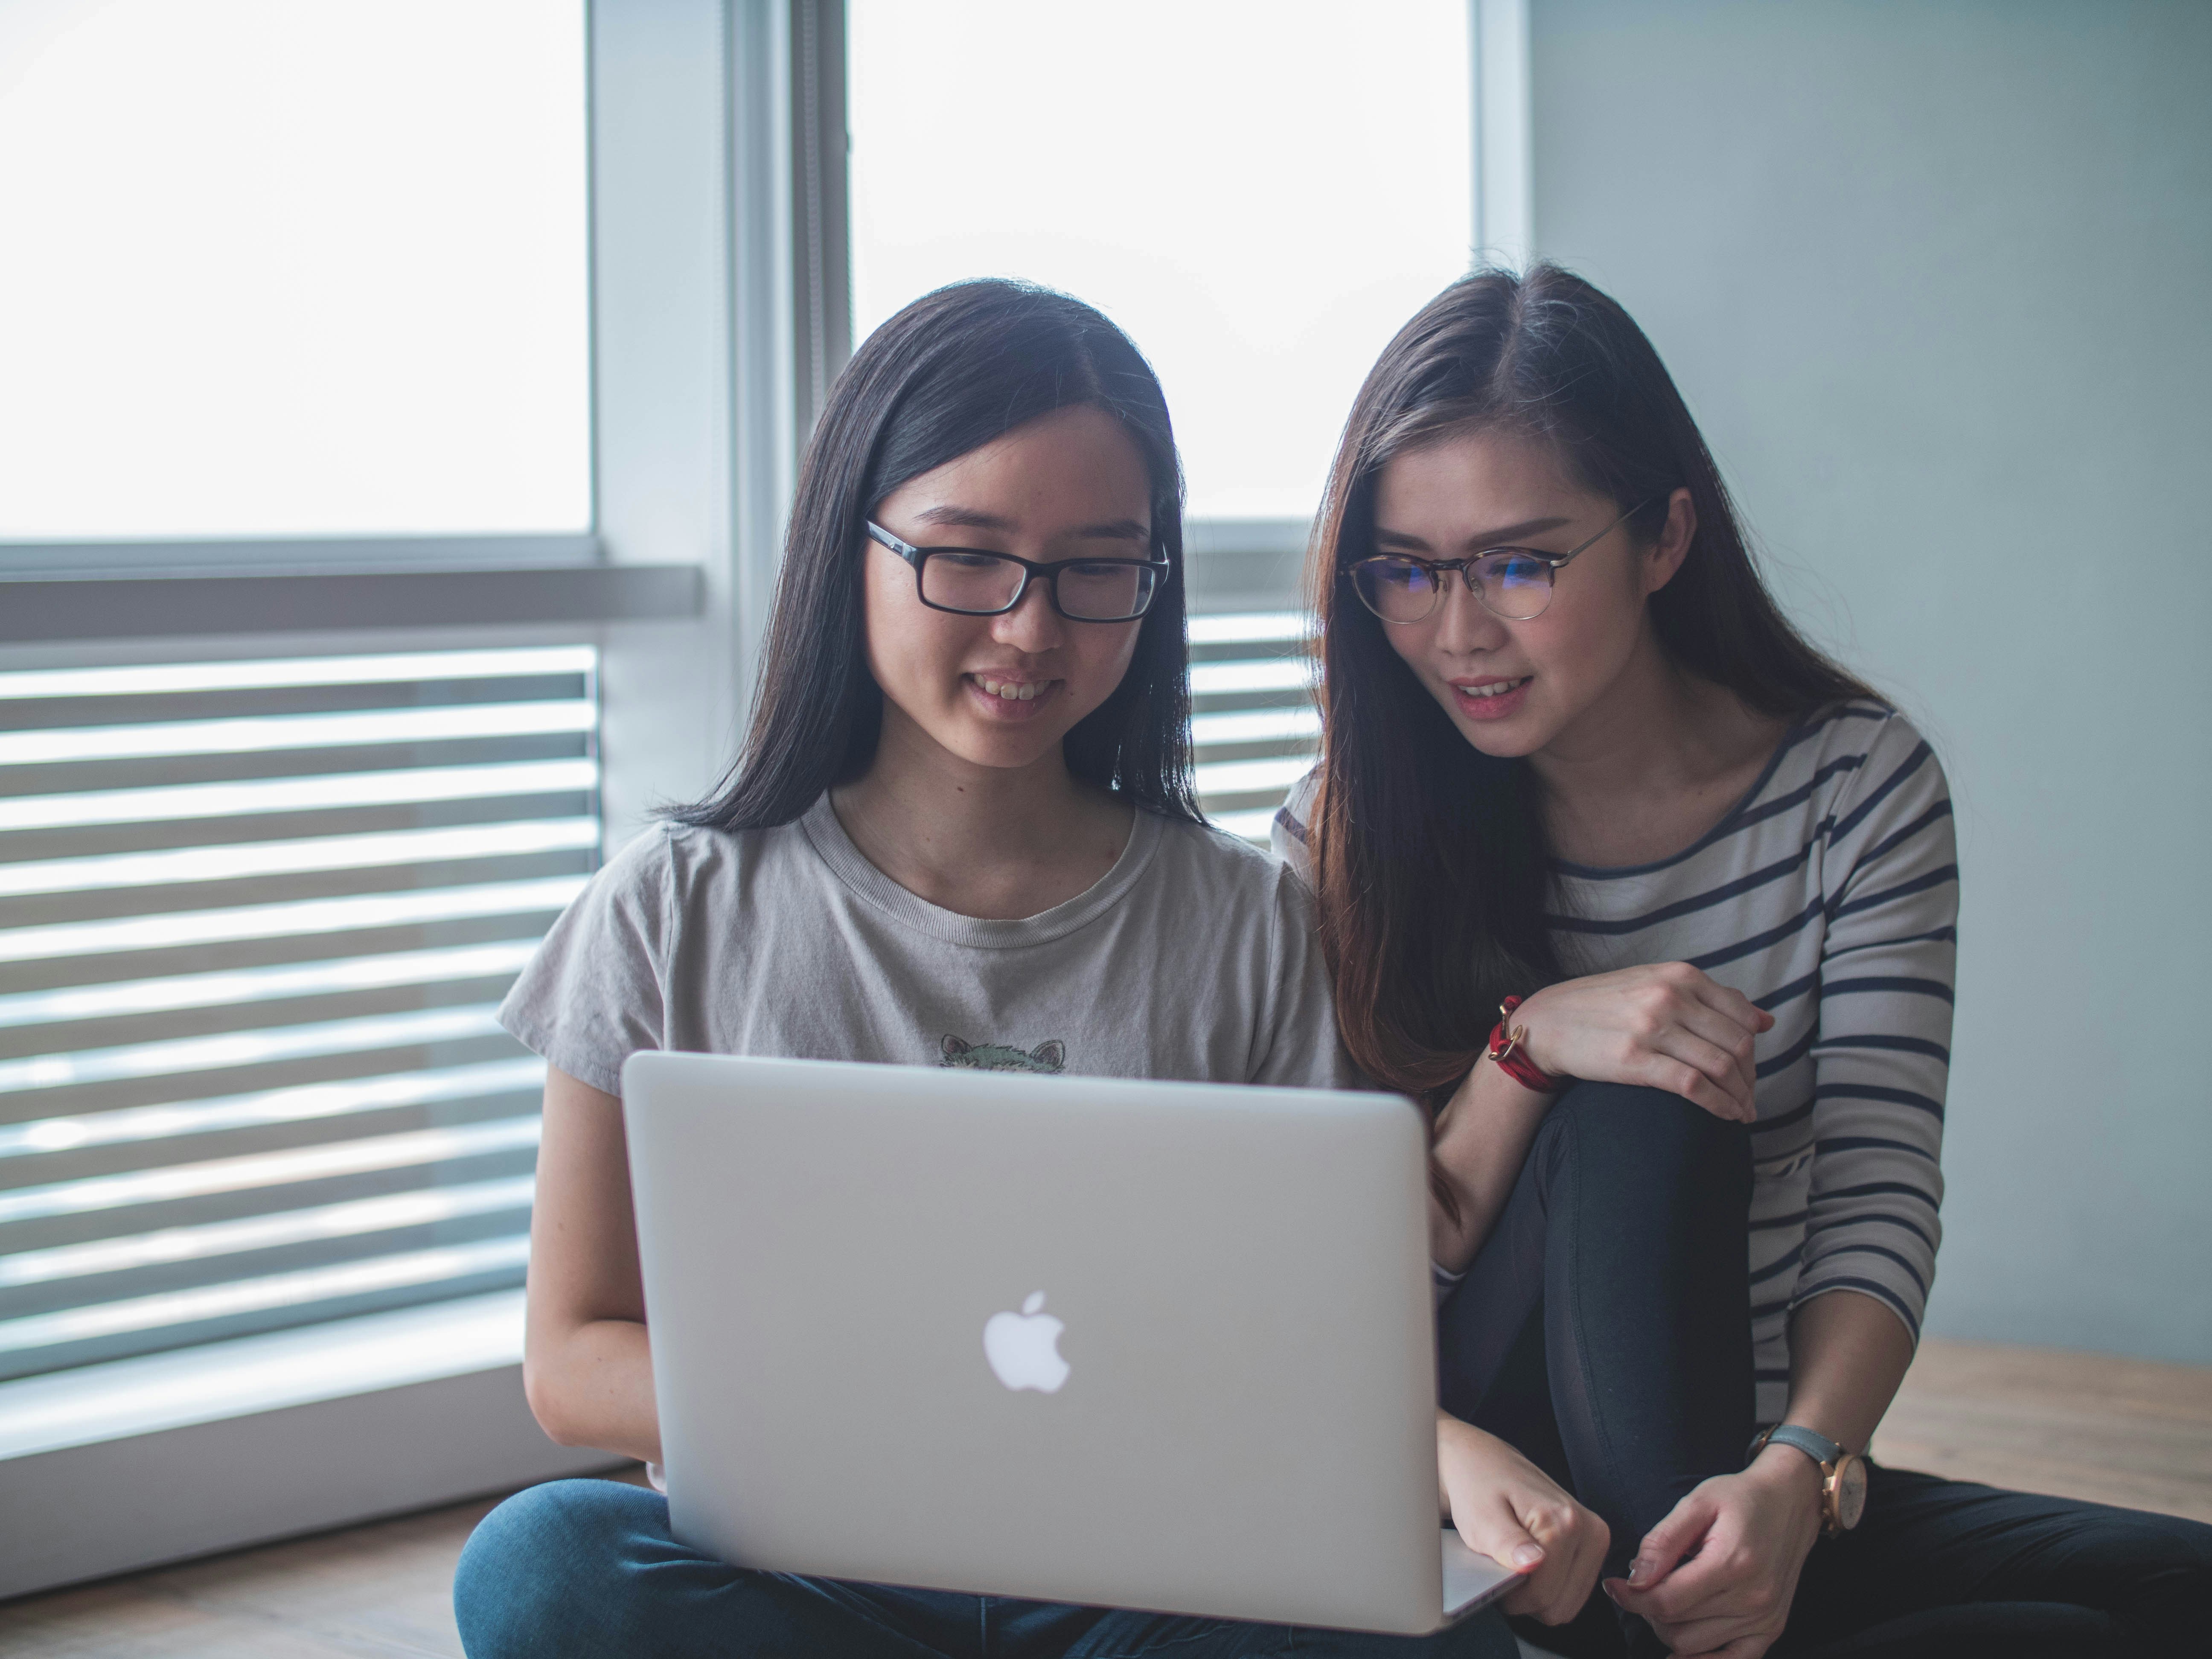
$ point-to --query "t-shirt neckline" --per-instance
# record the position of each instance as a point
(827, 836)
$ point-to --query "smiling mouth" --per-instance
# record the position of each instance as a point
(1009, 690)
(1492, 688)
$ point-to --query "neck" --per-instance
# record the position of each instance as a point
(1658, 744)
(984, 840)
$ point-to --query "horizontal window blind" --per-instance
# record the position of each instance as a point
(1253, 723)
(255, 919)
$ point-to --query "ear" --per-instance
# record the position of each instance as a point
(1667, 554)
(953, 1047)
(1052, 1053)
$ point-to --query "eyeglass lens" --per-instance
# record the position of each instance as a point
(983, 585)
(1510, 584)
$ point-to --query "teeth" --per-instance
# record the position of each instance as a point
(1006, 690)
(1495, 689)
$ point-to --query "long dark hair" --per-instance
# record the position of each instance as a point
(1431, 858)
(954, 370)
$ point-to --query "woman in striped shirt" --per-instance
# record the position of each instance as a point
(1574, 756)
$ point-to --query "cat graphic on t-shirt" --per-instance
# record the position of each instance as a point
(997, 1057)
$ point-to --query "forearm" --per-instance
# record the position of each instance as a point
(1848, 1354)
(591, 1384)
(1482, 1140)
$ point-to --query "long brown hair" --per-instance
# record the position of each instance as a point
(952, 371)
(1431, 857)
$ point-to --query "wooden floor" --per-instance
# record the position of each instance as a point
(2115, 1430)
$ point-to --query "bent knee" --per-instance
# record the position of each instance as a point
(1666, 1137)
(538, 1561)
(1625, 1112)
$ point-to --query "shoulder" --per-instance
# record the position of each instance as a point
(1221, 876)
(1887, 819)
(1881, 761)
(1229, 859)
(675, 865)
(1840, 740)
(1837, 756)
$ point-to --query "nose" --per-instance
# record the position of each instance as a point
(1464, 623)
(1032, 625)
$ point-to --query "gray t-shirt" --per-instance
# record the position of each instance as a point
(1193, 959)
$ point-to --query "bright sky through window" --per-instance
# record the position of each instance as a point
(293, 268)
(1261, 191)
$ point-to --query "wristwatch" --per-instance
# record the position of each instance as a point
(1843, 1475)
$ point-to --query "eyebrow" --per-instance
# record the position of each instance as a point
(969, 517)
(1489, 539)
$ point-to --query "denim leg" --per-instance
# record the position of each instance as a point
(1949, 1569)
(578, 1568)
(1627, 1231)
(1159, 1636)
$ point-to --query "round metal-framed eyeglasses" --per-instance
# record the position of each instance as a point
(1512, 582)
(972, 582)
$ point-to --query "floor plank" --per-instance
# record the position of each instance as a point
(2083, 1426)
(374, 1592)
(2125, 1432)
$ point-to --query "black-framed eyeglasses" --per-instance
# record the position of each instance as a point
(972, 582)
(1513, 582)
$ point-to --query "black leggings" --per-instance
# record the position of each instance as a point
(1604, 1329)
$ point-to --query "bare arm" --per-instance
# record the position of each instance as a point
(1483, 1137)
(1504, 1507)
(1848, 1355)
(1665, 1025)
(585, 1366)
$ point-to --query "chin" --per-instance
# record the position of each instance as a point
(981, 745)
(1508, 739)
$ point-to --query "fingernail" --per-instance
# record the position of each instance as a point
(1528, 1555)
(1637, 1570)
(1613, 1590)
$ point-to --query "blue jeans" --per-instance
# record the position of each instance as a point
(579, 1567)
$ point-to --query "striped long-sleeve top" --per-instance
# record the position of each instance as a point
(1829, 896)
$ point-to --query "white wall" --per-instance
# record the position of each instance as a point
(1936, 276)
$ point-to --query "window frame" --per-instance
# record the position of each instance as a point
(719, 315)
(721, 311)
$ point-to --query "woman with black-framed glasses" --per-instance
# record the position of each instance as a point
(1656, 907)
(962, 833)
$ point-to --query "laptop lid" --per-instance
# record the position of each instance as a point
(1165, 1345)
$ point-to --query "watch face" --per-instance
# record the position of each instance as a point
(1851, 1493)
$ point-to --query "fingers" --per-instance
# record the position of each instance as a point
(1739, 1043)
(1574, 1542)
(1714, 1584)
(1729, 1095)
(1492, 1528)
(1678, 1534)
(1729, 1003)
(1659, 1070)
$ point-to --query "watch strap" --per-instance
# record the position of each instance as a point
(1818, 1447)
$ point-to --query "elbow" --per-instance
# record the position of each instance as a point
(541, 1388)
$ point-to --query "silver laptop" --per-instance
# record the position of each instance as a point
(1142, 1344)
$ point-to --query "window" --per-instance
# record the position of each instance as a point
(1260, 194)
(279, 270)
(265, 1156)
(255, 917)
(281, 273)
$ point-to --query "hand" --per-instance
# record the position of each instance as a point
(1665, 1026)
(1509, 1509)
(1746, 1537)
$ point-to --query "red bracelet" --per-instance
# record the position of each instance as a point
(1512, 1059)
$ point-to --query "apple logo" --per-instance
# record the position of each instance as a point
(1023, 1348)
